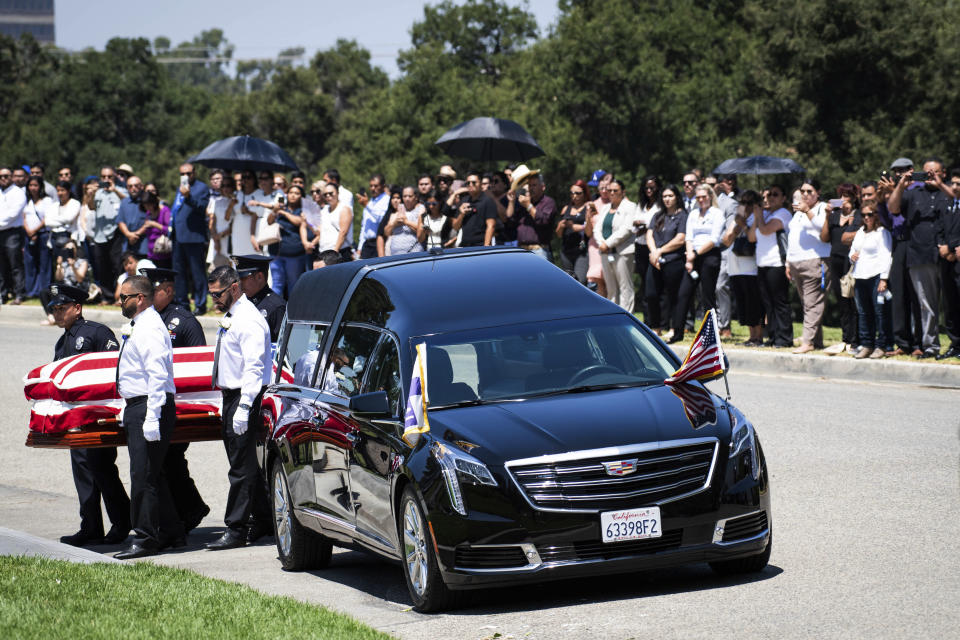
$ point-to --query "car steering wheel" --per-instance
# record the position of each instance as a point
(591, 370)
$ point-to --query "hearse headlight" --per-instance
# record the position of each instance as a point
(743, 442)
(458, 467)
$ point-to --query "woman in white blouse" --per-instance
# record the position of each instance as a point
(741, 235)
(613, 231)
(62, 222)
(871, 256)
(37, 257)
(808, 262)
(771, 267)
(703, 239)
(336, 224)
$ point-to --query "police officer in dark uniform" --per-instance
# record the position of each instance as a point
(94, 470)
(185, 331)
(253, 282)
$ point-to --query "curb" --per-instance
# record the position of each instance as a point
(839, 367)
(110, 316)
(18, 543)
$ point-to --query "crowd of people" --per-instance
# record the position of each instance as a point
(887, 250)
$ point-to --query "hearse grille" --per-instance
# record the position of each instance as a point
(745, 527)
(579, 551)
(584, 484)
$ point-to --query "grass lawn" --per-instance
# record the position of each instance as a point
(42, 598)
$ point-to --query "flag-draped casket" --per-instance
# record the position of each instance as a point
(75, 402)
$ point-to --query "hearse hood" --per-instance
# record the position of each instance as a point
(573, 422)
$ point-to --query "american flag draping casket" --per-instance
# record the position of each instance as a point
(75, 403)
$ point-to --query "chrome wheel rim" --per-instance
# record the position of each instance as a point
(414, 547)
(281, 513)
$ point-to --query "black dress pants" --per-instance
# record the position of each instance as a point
(950, 286)
(12, 278)
(186, 499)
(839, 265)
(904, 307)
(155, 520)
(707, 267)
(247, 497)
(663, 287)
(775, 294)
(95, 475)
(105, 258)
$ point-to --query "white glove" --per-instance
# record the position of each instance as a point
(151, 430)
(240, 418)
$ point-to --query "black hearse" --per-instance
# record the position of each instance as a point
(555, 450)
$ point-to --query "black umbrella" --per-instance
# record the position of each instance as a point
(485, 139)
(758, 165)
(245, 152)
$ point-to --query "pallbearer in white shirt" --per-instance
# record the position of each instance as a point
(145, 382)
(241, 370)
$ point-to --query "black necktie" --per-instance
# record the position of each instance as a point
(123, 346)
(216, 356)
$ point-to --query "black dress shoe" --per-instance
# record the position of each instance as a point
(229, 540)
(81, 539)
(200, 311)
(929, 353)
(116, 535)
(675, 339)
(193, 520)
(136, 550)
(949, 353)
(257, 531)
(174, 543)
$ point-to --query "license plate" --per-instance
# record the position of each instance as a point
(630, 524)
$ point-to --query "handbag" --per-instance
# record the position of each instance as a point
(743, 247)
(162, 245)
(847, 283)
(782, 244)
(267, 234)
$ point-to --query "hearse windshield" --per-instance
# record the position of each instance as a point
(513, 362)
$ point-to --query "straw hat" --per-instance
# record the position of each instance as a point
(520, 176)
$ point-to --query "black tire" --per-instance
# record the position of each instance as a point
(299, 548)
(418, 559)
(750, 564)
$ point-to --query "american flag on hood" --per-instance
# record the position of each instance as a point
(705, 358)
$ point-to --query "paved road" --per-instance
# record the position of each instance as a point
(866, 499)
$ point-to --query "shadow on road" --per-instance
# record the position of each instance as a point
(384, 580)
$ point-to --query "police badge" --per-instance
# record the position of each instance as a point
(79, 343)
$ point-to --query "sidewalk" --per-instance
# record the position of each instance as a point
(18, 543)
(754, 360)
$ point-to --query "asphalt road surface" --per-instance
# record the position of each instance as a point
(866, 500)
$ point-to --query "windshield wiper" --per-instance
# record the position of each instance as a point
(462, 403)
(593, 387)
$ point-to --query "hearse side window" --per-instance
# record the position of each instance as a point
(385, 375)
(369, 304)
(300, 357)
(349, 359)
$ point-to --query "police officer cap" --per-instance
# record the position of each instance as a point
(251, 263)
(158, 276)
(65, 294)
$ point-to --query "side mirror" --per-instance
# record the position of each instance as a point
(374, 404)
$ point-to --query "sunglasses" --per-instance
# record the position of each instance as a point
(868, 215)
(126, 296)
(689, 182)
(328, 194)
(432, 203)
(315, 191)
(186, 173)
(576, 193)
(473, 182)
(216, 294)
